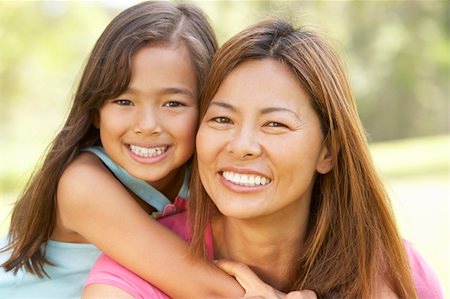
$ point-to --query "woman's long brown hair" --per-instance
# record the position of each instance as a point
(352, 236)
(106, 75)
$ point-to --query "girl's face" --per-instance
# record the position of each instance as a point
(259, 144)
(149, 130)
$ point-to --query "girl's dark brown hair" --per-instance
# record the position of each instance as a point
(106, 75)
(352, 237)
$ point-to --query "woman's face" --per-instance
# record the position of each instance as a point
(260, 143)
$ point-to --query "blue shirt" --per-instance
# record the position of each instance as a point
(73, 261)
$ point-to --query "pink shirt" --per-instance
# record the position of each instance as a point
(107, 271)
(426, 282)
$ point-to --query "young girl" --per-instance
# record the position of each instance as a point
(133, 118)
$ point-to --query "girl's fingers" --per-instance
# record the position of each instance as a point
(254, 287)
(305, 294)
(243, 274)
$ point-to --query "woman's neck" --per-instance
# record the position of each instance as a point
(269, 246)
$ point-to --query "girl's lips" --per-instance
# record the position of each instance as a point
(148, 154)
(148, 151)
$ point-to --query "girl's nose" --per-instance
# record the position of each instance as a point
(147, 123)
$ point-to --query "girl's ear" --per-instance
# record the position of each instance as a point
(96, 119)
(325, 162)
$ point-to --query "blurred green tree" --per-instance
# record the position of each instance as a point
(397, 54)
(43, 46)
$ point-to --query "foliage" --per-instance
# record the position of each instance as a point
(397, 53)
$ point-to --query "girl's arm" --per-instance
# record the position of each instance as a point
(128, 285)
(93, 206)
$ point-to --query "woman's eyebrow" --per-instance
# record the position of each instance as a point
(278, 109)
(269, 110)
(266, 110)
(223, 105)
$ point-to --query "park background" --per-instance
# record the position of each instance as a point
(396, 53)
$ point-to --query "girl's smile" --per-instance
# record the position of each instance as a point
(148, 154)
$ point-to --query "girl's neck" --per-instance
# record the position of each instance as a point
(270, 248)
(169, 188)
(171, 184)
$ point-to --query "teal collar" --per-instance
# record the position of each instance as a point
(142, 189)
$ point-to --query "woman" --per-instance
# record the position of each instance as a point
(283, 180)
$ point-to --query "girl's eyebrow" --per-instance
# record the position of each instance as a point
(177, 90)
(263, 111)
(164, 91)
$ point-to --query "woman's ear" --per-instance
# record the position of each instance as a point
(325, 162)
(95, 119)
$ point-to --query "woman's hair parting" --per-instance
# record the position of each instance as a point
(106, 75)
(352, 236)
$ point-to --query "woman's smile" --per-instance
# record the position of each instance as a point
(243, 179)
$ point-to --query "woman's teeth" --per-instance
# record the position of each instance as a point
(245, 179)
(148, 152)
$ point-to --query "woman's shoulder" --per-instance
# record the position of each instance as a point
(107, 271)
(425, 279)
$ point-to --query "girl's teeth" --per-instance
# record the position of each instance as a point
(148, 152)
(245, 179)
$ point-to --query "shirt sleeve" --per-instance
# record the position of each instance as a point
(107, 271)
(425, 280)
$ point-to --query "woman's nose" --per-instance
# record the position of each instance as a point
(147, 122)
(244, 144)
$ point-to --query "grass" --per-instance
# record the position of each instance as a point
(416, 173)
(427, 156)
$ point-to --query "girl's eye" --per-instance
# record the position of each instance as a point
(123, 102)
(173, 104)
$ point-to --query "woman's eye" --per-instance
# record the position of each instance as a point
(222, 120)
(122, 102)
(274, 124)
(173, 104)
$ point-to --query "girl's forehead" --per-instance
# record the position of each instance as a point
(162, 67)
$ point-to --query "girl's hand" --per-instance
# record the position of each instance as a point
(254, 287)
